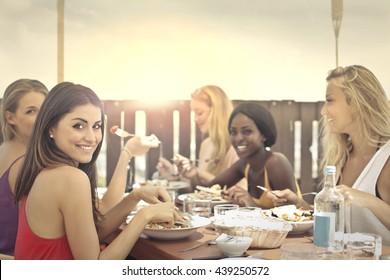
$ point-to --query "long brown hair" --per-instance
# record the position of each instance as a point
(42, 151)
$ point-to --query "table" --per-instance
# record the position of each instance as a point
(152, 249)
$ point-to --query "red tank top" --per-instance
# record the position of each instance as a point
(30, 246)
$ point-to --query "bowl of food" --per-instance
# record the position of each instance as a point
(301, 220)
(233, 246)
(178, 231)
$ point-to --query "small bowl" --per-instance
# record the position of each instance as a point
(236, 246)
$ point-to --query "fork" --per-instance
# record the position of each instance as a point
(120, 132)
(266, 190)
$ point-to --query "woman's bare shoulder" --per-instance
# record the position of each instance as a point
(64, 175)
(277, 158)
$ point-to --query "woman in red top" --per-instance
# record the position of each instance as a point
(59, 218)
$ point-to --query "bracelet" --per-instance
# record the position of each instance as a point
(127, 151)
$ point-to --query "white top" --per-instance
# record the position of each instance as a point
(362, 219)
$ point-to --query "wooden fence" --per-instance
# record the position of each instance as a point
(295, 121)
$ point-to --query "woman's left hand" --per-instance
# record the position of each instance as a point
(185, 166)
(353, 196)
(152, 194)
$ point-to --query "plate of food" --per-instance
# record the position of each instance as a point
(300, 219)
(180, 230)
(214, 193)
(169, 185)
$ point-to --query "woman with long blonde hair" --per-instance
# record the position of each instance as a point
(355, 138)
(212, 109)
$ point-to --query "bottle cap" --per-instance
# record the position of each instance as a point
(330, 169)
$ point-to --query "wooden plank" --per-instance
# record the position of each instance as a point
(185, 128)
(113, 113)
(308, 115)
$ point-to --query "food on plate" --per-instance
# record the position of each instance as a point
(169, 185)
(291, 213)
(215, 192)
(150, 141)
(157, 182)
(176, 225)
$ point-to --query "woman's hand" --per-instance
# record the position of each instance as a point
(240, 196)
(283, 197)
(136, 147)
(161, 213)
(185, 166)
(287, 196)
(152, 194)
(167, 170)
(353, 196)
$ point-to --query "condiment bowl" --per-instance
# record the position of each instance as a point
(233, 246)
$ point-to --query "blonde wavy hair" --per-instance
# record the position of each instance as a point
(10, 102)
(370, 108)
(221, 108)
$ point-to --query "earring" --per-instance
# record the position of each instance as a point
(51, 136)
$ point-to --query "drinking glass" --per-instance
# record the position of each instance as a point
(298, 251)
(363, 246)
(225, 211)
(200, 208)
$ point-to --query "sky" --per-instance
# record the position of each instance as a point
(165, 49)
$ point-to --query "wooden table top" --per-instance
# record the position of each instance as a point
(153, 249)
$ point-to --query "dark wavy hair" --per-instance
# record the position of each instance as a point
(263, 119)
(43, 152)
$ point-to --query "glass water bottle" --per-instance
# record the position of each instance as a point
(329, 218)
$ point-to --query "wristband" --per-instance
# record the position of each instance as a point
(127, 151)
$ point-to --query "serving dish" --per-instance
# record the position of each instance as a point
(194, 222)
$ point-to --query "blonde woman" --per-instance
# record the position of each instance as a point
(212, 109)
(355, 138)
(21, 102)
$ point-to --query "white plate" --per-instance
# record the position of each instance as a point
(214, 201)
(179, 233)
(297, 227)
(170, 185)
(301, 227)
(177, 185)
